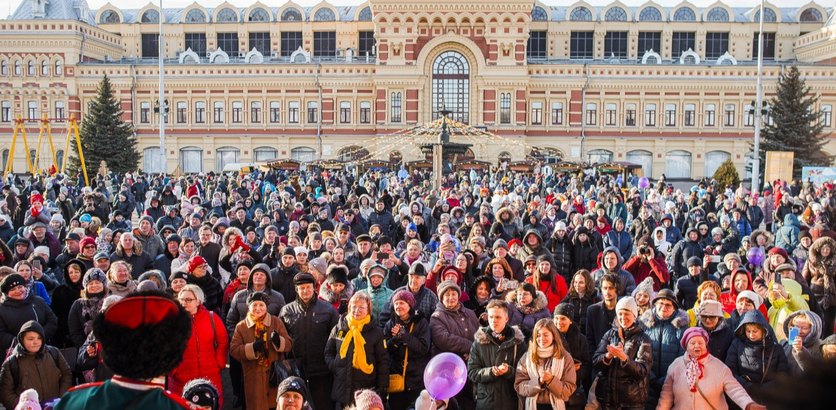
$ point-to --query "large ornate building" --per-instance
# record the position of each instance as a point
(670, 88)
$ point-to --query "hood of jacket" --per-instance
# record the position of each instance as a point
(614, 250)
(539, 302)
(815, 327)
(688, 232)
(481, 335)
(791, 219)
(664, 231)
(539, 239)
(30, 326)
(505, 215)
(679, 320)
(328, 295)
(471, 292)
(756, 317)
(770, 238)
(815, 256)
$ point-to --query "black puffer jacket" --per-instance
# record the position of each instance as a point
(720, 339)
(14, 313)
(309, 327)
(681, 252)
(581, 305)
(624, 384)
(584, 254)
(414, 344)
(756, 365)
(575, 342)
(348, 379)
(385, 220)
(211, 290)
(561, 249)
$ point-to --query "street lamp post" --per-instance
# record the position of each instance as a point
(758, 109)
(163, 113)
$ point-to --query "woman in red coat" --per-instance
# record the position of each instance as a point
(548, 281)
(206, 353)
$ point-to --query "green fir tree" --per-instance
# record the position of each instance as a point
(796, 125)
(727, 174)
(105, 137)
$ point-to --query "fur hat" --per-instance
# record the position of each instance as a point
(158, 328)
(404, 295)
(258, 297)
(28, 401)
(337, 274)
(367, 400)
(201, 392)
(443, 287)
(303, 278)
(628, 303)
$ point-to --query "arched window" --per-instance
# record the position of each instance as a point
(598, 156)
(227, 15)
(538, 14)
(365, 14)
(303, 154)
(643, 158)
(30, 68)
(259, 14)
(580, 14)
(650, 14)
(265, 153)
(684, 14)
(4, 68)
(713, 160)
(810, 15)
(225, 156)
(768, 16)
(44, 68)
(324, 14)
(59, 68)
(191, 160)
(17, 67)
(151, 16)
(678, 164)
(616, 14)
(291, 14)
(451, 86)
(109, 17)
(717, 14)
(195, 16)
(352, 153)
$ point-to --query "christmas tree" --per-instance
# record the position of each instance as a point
(796, 125)
(727, 174)
(105, 137)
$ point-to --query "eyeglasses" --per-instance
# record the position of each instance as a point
(90, 247)
(187, 300)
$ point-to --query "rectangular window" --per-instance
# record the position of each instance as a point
(709, 115)
(650, 115)
(261, 42)
(181, 112)
(630, 115)
(150, 45)
(557, 113)
(275, 111)
(291, 41)
(581, 45)
(365, 112)
(6, 113)
(690, 115)
(538, 44)
(236, 111)
(716, 44)
(591, 113)
(670, 115)
(255, 112)
(505, 108)
(365, 44)
(219, 112)
(59, 111)
(199, 112)
(293, 112)
(228, 42)
(749, 116)
(536, 113)
(196, 42)
(682, 42)
(615, 44)
(611, 114)
(729, 115)
(826, 115)
(144, 112)
(312, 112)
(396, 107)
(345, 112)
(768, 46)
(325, 43)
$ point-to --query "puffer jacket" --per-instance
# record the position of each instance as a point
(380, 296)
(282, 281)
(581, 305)
(413, 344)
(575, 343)
(664, 336)
(525, 317)
(823, 286)
(719, 339)
(628, 283)
(309, 326)
(347, 378)
(787, 236)
(681, 252)
(584, 254)
(506, 217)
(453, 329)
(494, 392)
(623, 384)
(756, 365)
(385, 220)
(619, 239)
(810, 352)
(37, 371)
(206, 352)
(561, 250)
(15, 313)
(537, 250)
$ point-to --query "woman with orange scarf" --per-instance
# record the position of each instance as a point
(259, 339)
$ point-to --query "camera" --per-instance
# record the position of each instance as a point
(644, 250)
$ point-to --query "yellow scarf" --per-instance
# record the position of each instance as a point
(359, 359)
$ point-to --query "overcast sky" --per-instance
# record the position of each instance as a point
(8, 6)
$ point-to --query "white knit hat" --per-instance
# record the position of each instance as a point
(756, 299)
(628, 303)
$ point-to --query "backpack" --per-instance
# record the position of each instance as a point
(14, 365)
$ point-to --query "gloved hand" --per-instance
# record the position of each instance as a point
(276, 338)
(240, 244)
(260, 346)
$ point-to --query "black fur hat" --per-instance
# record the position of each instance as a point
(157, 327)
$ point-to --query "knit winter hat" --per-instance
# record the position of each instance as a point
(565, 309)
(500, 243)
(195, 262)
(289, 251)
(337, 274)
(443, 287)
(779, 251)
(36, 197)
(477, 239)
(28, 401)
(86, 241)
(405, 296)
(94, 274)
(319, 264)
(293, 384)
(694, 261)
(756, 299)
(560, 226)
(86, 218)
(367, 400)
(731, 256)
(628, 303)
(695, 331)
(645, 286)
(258, 297)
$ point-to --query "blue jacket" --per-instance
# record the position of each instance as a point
(787, 236)
(620, 240)
(664, 340)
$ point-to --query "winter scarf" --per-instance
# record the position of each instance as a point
(694, 370)
(535, 369)
(354, 333)
(260, 334)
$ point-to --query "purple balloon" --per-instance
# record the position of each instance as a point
(644, 182)
(755, 256)
(444, 376)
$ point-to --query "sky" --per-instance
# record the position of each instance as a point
(8, 6)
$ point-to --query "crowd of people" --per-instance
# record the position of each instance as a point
(327, 289)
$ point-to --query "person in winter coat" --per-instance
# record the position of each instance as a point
(686, 287)
(63, 298)
(682, 252)
(86, 307)
(575, 344)
(382, 217)
(18, 307)
(208, 346)
(258, 280)
(649, 261)
(199, 275)
(150, 241)
(710, 317)
(611, 262)
(581, 294)
(672, 233)
(508, 219)
(39, 366)
(620, 239)
(533, 245)
(169, 253)
(787, 236)
(130, 251)
(623, 359)
(644, 225)
(425, 299)
(549, 282)
(820, 274)
(526, 305)
(664, 324)
(755, 359)
(479, 295)
(584, 250)
(119, 281)
(356, 354)
(337, 289)
(805, 350)
(452, 328)
(699, 380)
(407, 339)
(376, 278)
(493, 357)
(561, 248)
(545, 375)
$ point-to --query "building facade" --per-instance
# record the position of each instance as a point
(670, 88)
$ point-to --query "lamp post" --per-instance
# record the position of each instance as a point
(163, 113)
(758, 109)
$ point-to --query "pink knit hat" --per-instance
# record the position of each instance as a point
(691, 333)
(367, 400)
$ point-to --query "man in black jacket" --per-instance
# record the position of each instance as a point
(309, 321)
(283, 276)
(384, 218)
(600, 316)
(209, 250)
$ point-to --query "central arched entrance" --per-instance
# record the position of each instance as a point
(451, 86)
